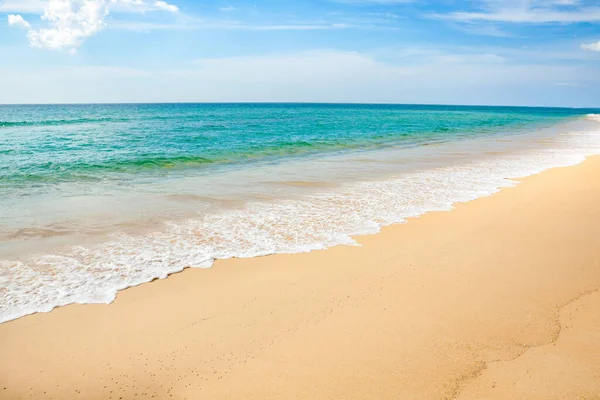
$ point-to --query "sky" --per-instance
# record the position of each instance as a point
(493, 52)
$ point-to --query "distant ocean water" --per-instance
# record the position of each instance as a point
(98, 198)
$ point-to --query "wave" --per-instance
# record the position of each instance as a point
(53, 122)
(52, 172)
(153, 162)
(56, 122)
(85, 171)
(94, 274)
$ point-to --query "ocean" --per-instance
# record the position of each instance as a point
(98, 198)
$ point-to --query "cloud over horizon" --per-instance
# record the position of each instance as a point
(322, 76)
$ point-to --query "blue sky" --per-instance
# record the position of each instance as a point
(513, 52)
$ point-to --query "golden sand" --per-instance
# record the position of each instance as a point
(496, 299)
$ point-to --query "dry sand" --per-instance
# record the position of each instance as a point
(496, 299)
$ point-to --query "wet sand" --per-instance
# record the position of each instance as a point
(496, 299)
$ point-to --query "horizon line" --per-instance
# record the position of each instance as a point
(291, 103)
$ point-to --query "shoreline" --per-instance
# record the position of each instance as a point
(381, 320)
(111, 260)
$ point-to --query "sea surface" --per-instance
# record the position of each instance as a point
(98, 198)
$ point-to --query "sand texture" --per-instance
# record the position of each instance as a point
(497, 299)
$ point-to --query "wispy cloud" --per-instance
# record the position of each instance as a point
(229, 8)
(527, 12)
(569, 84)
(436, 56)
(145, 26)
(374, 2)
(290, 27)
(195, 23)
(528, 16)
(23, 6)
(198, 24)
(483, 29)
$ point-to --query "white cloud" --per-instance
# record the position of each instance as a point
(591, 46)
(163, 5)
(70, 22)
(17, 20)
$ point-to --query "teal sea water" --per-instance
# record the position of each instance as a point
(97, 198)
(50, 144)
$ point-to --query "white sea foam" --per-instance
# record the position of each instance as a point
(94, 274)
(594, 117)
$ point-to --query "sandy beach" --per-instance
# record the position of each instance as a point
(496, 299)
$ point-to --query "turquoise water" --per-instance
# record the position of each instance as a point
(49, 144)
(96, 198)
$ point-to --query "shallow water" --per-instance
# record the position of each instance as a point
(102, 197)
